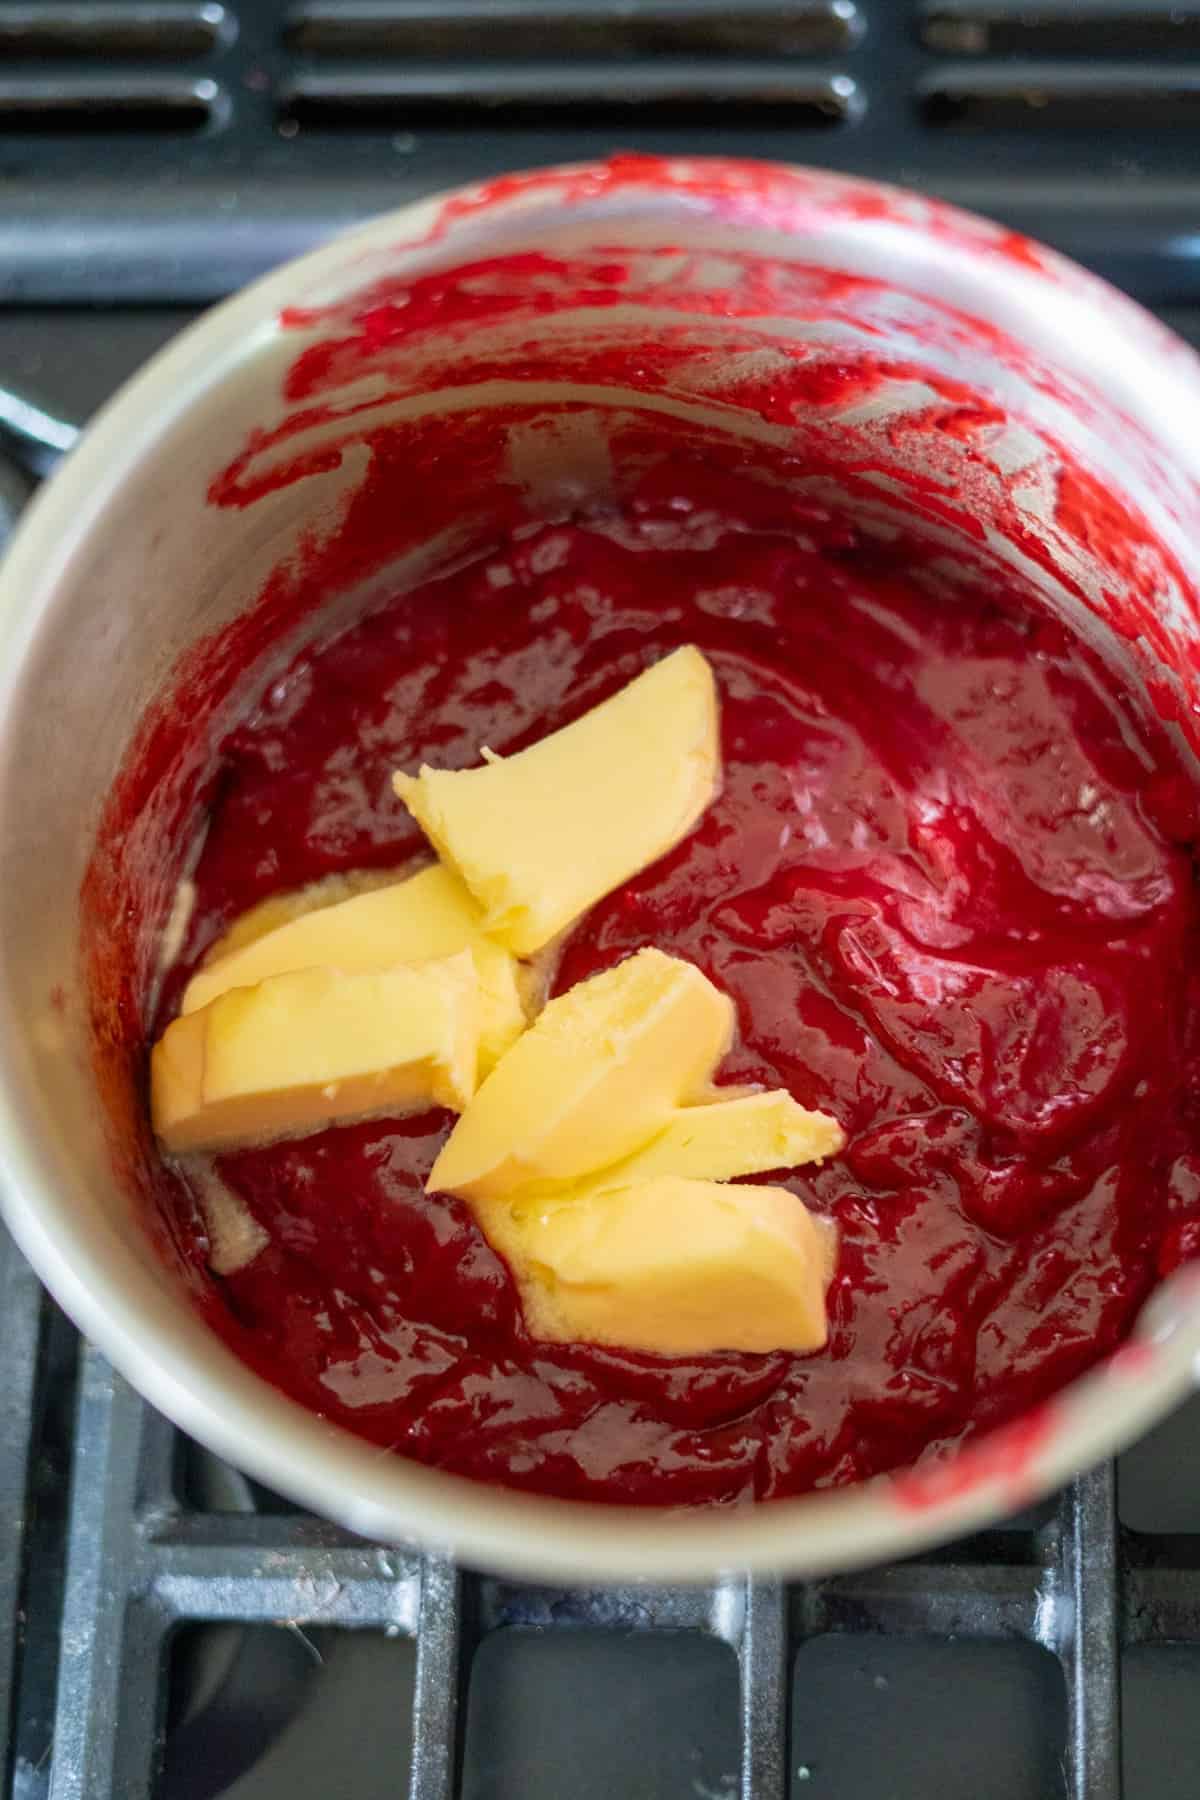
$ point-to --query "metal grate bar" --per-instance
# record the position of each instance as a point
(618, 1609)
(362, 1586)
(982, 1600)
(157, 1459)
(1093, 95)
(764, 1657)
(439, 1701)
(109, 28)
(108, 102)
(238, 1534)
(1089, 1634)
(1080, 27)
(21, 1311)
(407, 89)
(570, 28)
(107, 1714)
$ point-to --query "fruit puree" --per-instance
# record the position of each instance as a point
(949, 885)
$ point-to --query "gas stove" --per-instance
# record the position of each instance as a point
(167, 1629)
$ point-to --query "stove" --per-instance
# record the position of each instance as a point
(169, 1630)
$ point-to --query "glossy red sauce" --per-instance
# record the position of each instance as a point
(949, 884)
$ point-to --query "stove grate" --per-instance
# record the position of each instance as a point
(140, 1563)
(169, 150)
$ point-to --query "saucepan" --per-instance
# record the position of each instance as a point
(618, 310)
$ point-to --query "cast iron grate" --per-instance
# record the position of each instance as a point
(172, 149)
(140, 1563)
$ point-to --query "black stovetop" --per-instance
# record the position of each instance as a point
(166, 1629)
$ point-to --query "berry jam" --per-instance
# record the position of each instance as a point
(948, 883)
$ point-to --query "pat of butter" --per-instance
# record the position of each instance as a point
(714, 1141)
(428, 916)
(313, 1047)
(603, 1069)
(540, 836)
(721, 1139)
(676, 1268)
(280, 909)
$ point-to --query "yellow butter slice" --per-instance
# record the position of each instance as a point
(540, 836)
(313, 1047)
(280, 909)
(428, 916)
(722, 1139)
(602, 1070)
(676, 1267)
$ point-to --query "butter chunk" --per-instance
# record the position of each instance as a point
(676, 1268)
(428, 916)
(601, 1071)
(280, 909)
(540, 836)
(312, 1047)
(721, 1139)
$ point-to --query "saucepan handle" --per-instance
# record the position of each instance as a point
(32, 441)
(37, 435)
